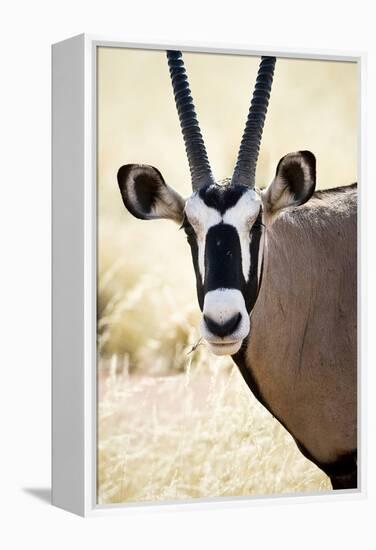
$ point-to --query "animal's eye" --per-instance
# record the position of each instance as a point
(257, 224)
(188, 229)
(185, 223)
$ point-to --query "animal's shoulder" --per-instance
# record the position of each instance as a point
(331, 203)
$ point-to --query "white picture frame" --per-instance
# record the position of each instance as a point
(74, 273)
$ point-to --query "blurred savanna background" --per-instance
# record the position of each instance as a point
(175, 422)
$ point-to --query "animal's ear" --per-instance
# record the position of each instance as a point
(294, 182)
(147, 196)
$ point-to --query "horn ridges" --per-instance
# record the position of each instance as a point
(194, 144)
(245, 169)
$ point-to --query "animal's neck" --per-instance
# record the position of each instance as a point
(307, 244)
(301, 340)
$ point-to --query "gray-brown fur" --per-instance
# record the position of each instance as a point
(302, 347)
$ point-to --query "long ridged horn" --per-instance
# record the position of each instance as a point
(245, 169)
(194, 144)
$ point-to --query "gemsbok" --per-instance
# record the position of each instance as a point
(276, 274)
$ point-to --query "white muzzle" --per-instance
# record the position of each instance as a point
(225, 321)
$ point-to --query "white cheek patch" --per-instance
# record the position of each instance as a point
(201, 257)
(202, 218)
(241, 217)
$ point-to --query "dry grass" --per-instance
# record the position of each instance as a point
(146, 308)
(196, 435)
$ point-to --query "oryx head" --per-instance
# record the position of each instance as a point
(224, 221)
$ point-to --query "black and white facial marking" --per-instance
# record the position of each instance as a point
(225, 229)
(225, 232)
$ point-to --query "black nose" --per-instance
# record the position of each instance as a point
(223, 329)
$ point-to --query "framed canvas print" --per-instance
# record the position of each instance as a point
(206, 342)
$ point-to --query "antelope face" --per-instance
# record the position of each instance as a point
(224, 225)
(224, 230)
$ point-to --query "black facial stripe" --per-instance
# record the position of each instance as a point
(253, 284)
(222, 197)
(223, 258)
(192, 240)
